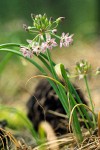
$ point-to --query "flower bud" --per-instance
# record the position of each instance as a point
(44, 16)
(54, 31)
(43, 26)
(51, 19)
(46, 22)
(25, 27)
(40, 16)
(58, 71)
(60, 19)
(33, 16)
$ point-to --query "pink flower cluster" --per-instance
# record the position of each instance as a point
(26, 52)
(66, 40)
(35, 47)
(49, 44)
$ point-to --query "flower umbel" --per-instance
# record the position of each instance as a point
(43, 29)
(82, 68)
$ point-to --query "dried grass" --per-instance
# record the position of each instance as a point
(66, 142)
(69, 143)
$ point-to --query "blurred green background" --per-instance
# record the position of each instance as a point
(82, 19)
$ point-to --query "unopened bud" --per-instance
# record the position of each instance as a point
(33, 16)
(51, 19)
(54, 31)
(25, 27)
(60, 19)
(40, 16)
(46, 22)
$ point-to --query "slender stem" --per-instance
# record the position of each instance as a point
(72, 90)
(59, 93)
(91, 102)
(58, 89)
(50, 61)
(62, 94)
(56, 36)
(51, 65)
(44, 62)
(44, 56)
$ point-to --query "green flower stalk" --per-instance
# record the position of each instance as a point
(83, 68)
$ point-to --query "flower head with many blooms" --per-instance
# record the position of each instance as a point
(82, 68)
(43, 29)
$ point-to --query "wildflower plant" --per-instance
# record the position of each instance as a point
(83, 68)
(44, 33)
